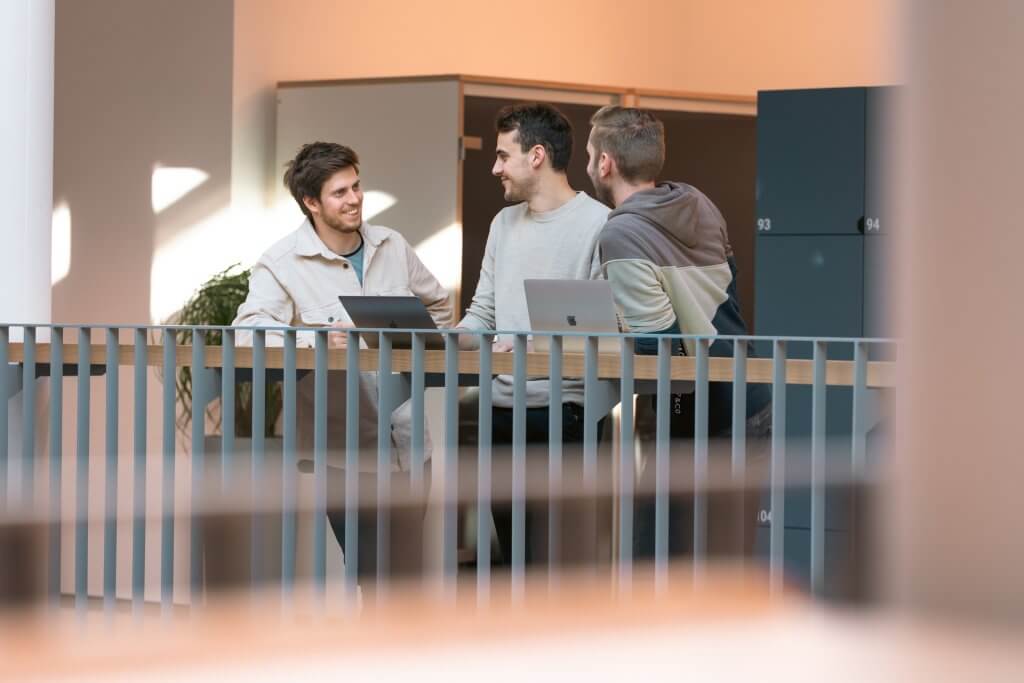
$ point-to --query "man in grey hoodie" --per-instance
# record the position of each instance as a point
(666, 253)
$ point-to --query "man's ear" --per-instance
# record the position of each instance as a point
(605, 165)
(312, 205)
(537, 155)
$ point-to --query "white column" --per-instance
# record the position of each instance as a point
(26, 191)
(26, 158)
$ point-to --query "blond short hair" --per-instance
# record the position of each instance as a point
(634, 138)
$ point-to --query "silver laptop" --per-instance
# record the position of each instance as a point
(400, 312)
(572, 306)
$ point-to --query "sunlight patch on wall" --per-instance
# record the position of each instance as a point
(170, 183)
(60, 244)
(441, 253)
(184, 261)
(287, 212)
(376, 203)
(190, 258)
(286, 215)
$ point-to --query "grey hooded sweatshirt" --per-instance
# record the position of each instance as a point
(666, 253)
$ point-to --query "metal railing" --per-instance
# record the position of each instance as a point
(30, 353)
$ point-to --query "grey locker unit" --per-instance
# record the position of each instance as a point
(810, 161)
(823, 230)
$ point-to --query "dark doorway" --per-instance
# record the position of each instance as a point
(713, 152)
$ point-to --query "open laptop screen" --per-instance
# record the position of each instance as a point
(398, 312)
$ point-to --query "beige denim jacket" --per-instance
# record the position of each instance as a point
(296, 282)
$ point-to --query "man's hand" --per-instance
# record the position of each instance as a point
(339, 340)
(506, 345)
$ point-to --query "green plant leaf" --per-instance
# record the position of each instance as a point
(216, 303)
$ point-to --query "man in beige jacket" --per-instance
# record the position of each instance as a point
(297, 281)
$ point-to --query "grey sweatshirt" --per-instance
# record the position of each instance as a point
(666, 253)
(559, 244)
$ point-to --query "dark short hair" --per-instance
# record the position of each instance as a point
(635, 138)
(539, 124)
(316, 162)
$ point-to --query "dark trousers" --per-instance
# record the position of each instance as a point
(404, 524)
(731, 522)
(571, 515)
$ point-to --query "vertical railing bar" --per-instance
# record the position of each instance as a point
(227, 410)
(858, 450)
(110, 486)
(199, 401)
(320, 466)
(5, 392)
(518, 467)
(167, 479)
(418, 429)
(28, 429)
(56, 459)
(170, 406)
(141, 372)
(82, 473)
(259, 428)
(590, 418)
(451, 464)
(662, 472)
(778, 466)
(818, 469)
(700, 462)
(352, 378)
(383, 463)
(626, 465)
(738, 470)
(483, 488)
(288, 474)
(555, 493)
(859, 440)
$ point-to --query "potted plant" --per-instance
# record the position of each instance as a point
(215, 303)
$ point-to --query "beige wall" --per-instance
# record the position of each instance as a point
(732, 47)
(137, 83)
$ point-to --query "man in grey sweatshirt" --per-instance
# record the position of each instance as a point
(549, 232)
(666, 253)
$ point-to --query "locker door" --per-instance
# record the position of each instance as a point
(878, 284)
(840, 568)
(810, 161)
(880, 112)
(810, 285)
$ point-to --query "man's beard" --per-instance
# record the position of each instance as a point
(337, 225)
(603, 193)
(520, 192)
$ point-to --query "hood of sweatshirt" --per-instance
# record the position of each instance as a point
(681, 211)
